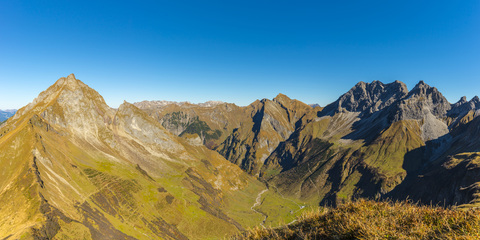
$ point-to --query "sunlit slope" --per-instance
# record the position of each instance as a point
(245, 136)
(362, 145)
(74, 168)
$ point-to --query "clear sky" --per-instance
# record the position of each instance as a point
(236, 51)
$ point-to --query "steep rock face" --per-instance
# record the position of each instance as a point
(367, 97)
(212, 121)
(421, 99)
(244, 135)
(271, 122)
(462, 108)
(427, 104)
(74, 168)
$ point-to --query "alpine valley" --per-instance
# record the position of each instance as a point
(71, 167)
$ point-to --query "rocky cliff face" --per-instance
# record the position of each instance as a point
(212, 121)
(368, 98)
(271, 122)
(244, 135)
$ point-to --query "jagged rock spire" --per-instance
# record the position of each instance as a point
(368, 97)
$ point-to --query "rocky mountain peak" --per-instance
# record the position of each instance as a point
(362, 84)
(73, 105)
(282, 99)
(71, 77)
(71, 91)
(463, 107)
(164, 103)
(475, 99)
(460, 102)
(427, 104)
(368, 97)
(67, 82)
(71, 81)
(423, 89)
(429, 97)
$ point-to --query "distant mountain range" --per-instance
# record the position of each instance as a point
(72, 167)
(5, 114)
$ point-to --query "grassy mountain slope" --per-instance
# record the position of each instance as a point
(74, 168)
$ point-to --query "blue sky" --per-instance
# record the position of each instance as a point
(237, 51)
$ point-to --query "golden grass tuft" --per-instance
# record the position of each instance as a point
(365, 219)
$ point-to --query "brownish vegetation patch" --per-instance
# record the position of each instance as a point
(377, 220)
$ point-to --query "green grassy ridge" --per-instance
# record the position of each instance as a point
(366, 219)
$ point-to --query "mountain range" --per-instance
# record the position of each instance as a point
(5, 114)
(72, 167)
(375, 141)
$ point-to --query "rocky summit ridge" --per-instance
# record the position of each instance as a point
(368, 97)
(72, 167)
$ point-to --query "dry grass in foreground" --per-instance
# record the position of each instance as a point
(377, 220)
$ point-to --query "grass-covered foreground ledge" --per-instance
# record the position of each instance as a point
(377, 220)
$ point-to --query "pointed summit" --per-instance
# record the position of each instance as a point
(427, 104)
(70, 79)
(69, 82)
(69, 103)
(475, 99)
(71, 76)
(421, 88)
(462, 107)
(368, 97)
(282, 98)
(426, 92)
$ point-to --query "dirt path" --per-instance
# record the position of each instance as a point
(257, 203)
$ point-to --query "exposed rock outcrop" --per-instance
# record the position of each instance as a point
(367, 98)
